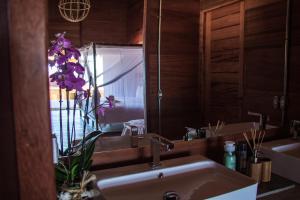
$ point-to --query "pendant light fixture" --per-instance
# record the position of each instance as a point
(74, 10)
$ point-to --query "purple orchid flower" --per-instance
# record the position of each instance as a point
(111, 101)
(69, 74)
(101, 110)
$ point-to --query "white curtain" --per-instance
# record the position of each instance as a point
(120, 73)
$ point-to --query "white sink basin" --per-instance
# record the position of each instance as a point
(285, 155)
(199, 179)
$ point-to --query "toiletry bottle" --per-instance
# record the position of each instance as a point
(229, 156)
(242, 157)
(55, 149)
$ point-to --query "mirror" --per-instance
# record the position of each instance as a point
(220, 67)
(110, 41)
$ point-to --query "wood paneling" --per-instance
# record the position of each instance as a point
(294, 65)
(263, 44)
(135, 17)
(179, 65)
(106, 23)
(223, 67)
(109, 22)
(28, 68)
(9, 188)
(212, 148)
(56, 24)
(264, 56)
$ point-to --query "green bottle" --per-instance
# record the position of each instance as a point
(229, 156)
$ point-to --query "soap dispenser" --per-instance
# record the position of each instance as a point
(229, 156)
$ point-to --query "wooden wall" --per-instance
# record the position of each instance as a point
(135, 15)
(109, 22)
(9, 188)
(264, 57)
(179, 65)
(223, 65)
(25, 82)
(294, 67)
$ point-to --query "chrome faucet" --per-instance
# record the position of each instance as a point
(158, 144)
(295, 128)
(262, 119)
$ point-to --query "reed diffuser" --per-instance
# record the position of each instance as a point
(255, 169)
(257, 139)
(216, 130)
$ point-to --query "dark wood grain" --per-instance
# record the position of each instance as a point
(179, 65)
(223, 64)
(135, 17)
(294, 65)
(212, 148)
(264, 56)
(109, 22)
(28, 65)
(9, 188)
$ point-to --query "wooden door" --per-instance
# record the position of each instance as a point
(223, 62)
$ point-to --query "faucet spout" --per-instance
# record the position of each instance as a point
(158, 144)
(263, 119)
(295, 128)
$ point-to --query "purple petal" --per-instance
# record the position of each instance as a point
(101, 110)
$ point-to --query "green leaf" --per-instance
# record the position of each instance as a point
(88, 165)
(75, 172)
(75, 160)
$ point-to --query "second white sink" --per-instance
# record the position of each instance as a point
(199, 179)
(285, 155)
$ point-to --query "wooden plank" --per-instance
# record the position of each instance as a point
(210, 5)
(225, 78)
(266, 40)
(201, 72)
(225, 67)
(207, 61)
(252, 4)
(225, 56)
(9, 182)
(227, 114)
(271, 25)
(135, 14)
(29, 74)
(224, 94)
(227, 44)
(226, 33)
(242, 47)
(226, 21)
(259, 75)
(225, 10)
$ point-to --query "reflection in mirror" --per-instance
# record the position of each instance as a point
(110, 41)
(117, 72)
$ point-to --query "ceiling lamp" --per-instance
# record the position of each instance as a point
(74, 10)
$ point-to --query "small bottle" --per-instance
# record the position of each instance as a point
(229, 156)
(55, 149)
(242, 155)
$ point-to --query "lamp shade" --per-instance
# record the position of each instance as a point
(74, 10)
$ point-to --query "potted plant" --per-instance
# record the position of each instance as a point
(73, 177)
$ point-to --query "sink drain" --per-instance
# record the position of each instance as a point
(171, 196)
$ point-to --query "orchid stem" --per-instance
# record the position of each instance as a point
(60, 124)
(84, 128)
(68, 128)
(73, 135)
(68, 120)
